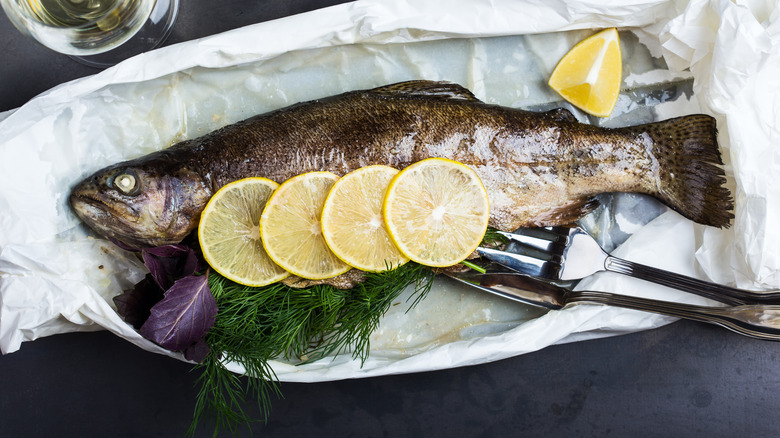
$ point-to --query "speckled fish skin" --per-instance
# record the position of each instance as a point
(538, 168)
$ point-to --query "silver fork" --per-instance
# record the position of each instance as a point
(757, 321)
(570, 253)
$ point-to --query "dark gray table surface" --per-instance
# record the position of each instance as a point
(684, 379)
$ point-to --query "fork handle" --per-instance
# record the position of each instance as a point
(755, 321)
(717, 292)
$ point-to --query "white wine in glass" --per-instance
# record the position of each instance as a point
(86, 29)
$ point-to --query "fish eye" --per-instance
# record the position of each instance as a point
(126, 183)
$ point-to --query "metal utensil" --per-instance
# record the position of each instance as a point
(756, 321)
(570, 253)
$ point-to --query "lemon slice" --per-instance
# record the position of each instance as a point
(229, 235)
(589, 76)
(436, 211)
(291, 231)
(352, 223)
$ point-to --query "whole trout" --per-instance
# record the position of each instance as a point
(539, 169)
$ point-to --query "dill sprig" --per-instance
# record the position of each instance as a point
(257, 325)
(493, 238)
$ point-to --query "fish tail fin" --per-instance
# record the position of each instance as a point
(691, 176)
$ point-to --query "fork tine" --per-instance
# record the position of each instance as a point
(546, 233)
(549, 253)
(545, 239)
(546, 266)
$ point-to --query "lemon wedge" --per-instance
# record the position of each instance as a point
(436, 211)
(352, 223)
(291, 231)
(229, 236)
(590, 74)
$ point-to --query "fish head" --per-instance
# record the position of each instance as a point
(142, 203)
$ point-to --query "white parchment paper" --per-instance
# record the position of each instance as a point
(55, 277)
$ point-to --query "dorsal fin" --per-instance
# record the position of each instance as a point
(444, 90)
(562, 114)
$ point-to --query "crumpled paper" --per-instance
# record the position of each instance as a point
(55, 277)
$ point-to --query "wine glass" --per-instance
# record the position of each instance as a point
(99, 33)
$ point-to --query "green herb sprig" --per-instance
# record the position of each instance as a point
(257, 325)
(493, 238)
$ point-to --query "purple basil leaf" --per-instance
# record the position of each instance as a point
(162, 269)
(135, 305)
(190, 264)
(168, 263)
(168, 250)
(184, 316)
(197, 352)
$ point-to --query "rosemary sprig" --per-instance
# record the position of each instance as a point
(256, 325)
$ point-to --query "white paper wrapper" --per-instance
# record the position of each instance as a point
(55, 278)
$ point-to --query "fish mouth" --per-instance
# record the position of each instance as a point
(88, 207)
(81, 203)
(105, 218)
